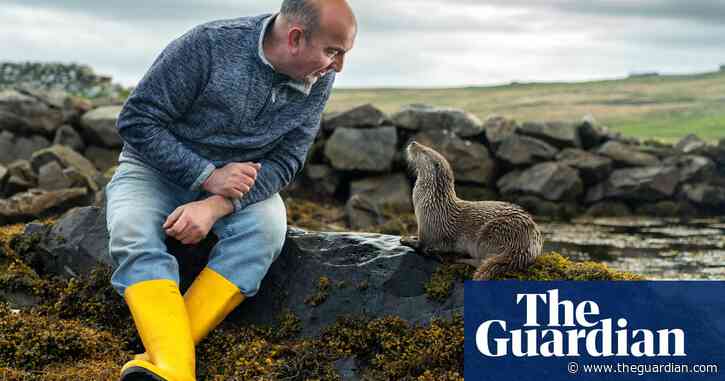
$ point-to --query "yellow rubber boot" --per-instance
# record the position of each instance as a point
(209, 299)
(162, 322)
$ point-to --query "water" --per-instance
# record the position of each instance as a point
(653, 247)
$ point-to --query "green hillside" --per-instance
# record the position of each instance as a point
(665, 107)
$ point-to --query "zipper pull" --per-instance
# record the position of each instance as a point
(274, 95)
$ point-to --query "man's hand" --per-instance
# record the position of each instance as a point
(191, 222)
(232, 180)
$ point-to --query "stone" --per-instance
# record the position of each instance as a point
(592, 168)
(26, 115)
(37, 203)
(499, 129)
(545, 208)
(419, 117)
(321, 179)
(637, 184)
(692, 168)
(51, 177)
(475, 193)
(366, 115)
(67, 136)
(609, 209)
(370, 149)
(3, 174)
(393, 191)
(690, 144)
(704, 194)
(667, 208)
(99, 126)
(551, 180)
(558, 134)
(102, 158)
(591, 134)
(523, 150)
(626, 156)
(471, 162)
(362, 212)
(67, 158)
(15, 147)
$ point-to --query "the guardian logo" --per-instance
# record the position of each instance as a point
(571, 329)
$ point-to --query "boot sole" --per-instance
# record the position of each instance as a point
(138, 373)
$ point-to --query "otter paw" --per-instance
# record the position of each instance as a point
(410, 241)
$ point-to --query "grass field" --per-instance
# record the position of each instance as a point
(665, 107)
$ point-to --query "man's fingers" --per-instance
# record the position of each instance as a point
(171, 219)
(178, 227)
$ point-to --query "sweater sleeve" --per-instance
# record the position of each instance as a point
(286, 161)
(165, 93)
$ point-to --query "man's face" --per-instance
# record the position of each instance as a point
(324, 51)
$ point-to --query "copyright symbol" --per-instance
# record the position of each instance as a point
(573, 367)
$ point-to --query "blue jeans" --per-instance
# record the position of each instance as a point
(138, 201)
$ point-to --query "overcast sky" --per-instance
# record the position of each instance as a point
(421, 43)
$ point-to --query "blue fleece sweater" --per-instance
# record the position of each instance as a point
(210, 99)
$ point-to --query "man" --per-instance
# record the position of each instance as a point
(219, 124)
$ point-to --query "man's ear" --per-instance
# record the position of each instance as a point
(294, 40)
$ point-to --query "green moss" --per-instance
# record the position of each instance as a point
(553, 266)
(441, 283)
(319, 297)
(29, 341)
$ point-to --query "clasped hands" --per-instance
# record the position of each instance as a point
(190, 223)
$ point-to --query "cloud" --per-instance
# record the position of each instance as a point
(402, 42)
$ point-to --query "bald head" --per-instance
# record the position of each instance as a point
(331, 16)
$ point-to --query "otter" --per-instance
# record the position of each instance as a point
(497, 236)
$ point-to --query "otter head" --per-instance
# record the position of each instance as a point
(429, 164)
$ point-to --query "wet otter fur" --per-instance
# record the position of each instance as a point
(497, 236)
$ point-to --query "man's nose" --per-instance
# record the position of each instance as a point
(338, 62)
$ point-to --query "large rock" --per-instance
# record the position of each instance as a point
(551, 180)
(591, 134)
(15, 147)
(51, 177)
(499, 129)
(370, 149)
(321, 179)
(366, 115)
(3, 174)
(21, 177)
(690, 144)
(592, 168)
(523, 150)
(27, 115)
(102, 158)
(558, 134)
(362, 212)
(99, 126)
(471, 161)
(67, 136)
(393, 191)
(419, 117)
(704, 194)
(67, 158)
(37, 203)
(637, 184)
(626, 156)
(318, 276)
(692, 168)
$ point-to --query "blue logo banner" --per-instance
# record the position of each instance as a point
(596, 330)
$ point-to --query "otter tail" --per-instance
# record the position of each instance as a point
(513, 259)
(501, 264)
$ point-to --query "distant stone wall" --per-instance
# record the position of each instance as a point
(54, 142)
(72, 78)
(555, 169)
